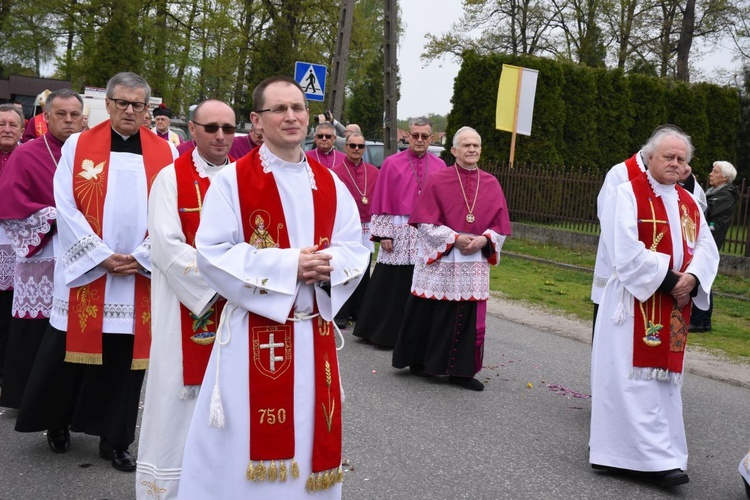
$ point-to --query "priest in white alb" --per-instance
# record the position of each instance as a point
(184, 308)
(279, 239)
(664, 260)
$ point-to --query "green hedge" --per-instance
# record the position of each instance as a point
(587, 117)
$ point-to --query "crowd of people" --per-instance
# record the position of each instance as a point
(229, 264)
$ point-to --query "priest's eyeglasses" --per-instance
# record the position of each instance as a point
(356, 146)
(282, 109)
(123, 105)
(424, 137)
(324, 136)
(212, 128)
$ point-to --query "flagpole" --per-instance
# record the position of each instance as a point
(515, 119)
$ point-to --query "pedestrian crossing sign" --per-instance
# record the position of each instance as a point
(312, 78)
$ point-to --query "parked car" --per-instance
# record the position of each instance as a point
(374, 151)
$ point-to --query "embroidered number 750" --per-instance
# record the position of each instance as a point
(272, 416)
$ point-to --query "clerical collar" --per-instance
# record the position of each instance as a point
(415, 155)
(353, 165)
(130, 144)
(326, 153)
(467, 169)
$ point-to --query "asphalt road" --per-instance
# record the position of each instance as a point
(524, 437)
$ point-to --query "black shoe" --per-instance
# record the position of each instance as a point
(467, 383)
(122, 460)
(747, 487)
(341, 323)
(669, 478)
(707, 328)
(696, 328)
(417, 370)
(58, 440)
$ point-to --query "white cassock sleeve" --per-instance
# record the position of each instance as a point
(640, 270)
(170, 253)
(264, 281)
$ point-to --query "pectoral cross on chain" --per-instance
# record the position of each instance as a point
(271, 346)
(199, 208)
(654, 221)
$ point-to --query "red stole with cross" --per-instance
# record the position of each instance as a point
(198, 333)
(86, 303)
(660, 330)
(272, 344)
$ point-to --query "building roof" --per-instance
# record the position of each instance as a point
(32, 86)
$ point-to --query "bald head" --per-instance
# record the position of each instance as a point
(211, 121)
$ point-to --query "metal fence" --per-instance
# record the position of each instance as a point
(566, 198)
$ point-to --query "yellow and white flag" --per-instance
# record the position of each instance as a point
(515, 94)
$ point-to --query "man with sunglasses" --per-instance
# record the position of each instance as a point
(402, 177)
(360, 178)
(324, 153)
(184, 310)
(88, 374)
(241, 145)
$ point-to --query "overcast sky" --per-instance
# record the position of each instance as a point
(425, 89)
(428, 88)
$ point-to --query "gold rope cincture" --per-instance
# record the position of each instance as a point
(216, 409)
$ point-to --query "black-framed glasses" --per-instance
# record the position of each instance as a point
(123, 105)
(282, 109)
(416, 136)
(324, 136)
(212, 128)
(356, 146)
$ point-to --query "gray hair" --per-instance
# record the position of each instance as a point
(63, 94)
(663, 132)
(355, 134)
(461, 131)
(327, 125)
(6, 108)
(130, 81)
(419, 121)
(727, 169)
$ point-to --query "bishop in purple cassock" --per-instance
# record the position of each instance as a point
(402, 177)
(462, 221)
(28, 215)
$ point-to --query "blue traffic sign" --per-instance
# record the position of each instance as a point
(312, 78)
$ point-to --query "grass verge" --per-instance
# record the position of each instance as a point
(569, 290)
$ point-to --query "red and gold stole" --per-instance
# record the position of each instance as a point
(272, 344)
(86, 303)
(198, 333)
(660, 331)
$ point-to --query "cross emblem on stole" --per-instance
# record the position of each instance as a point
(654, 221)
(271, 346)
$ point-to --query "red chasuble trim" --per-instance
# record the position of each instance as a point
(634, 170)
(659, 327)
(198, 333)
(271, 377)
(86, 303)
